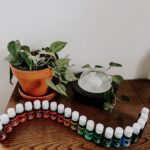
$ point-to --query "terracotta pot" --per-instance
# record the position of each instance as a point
(33, 83)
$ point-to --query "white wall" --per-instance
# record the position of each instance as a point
(97, 31)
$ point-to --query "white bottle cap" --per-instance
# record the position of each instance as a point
(144, 116)
(11, 112)
(90, 125)
(67, 112)
(4, 118)
(109, 132)
(141, 122)
(37, 104)
(19, 108)
(136, 128)
(45, 105)
(128, 131)
(61, 108)
(75, 115)
(53, 106)
(1, 126)
(145, 110)
(118, 132)
(82, 120)
(99, 128)
(28, 106)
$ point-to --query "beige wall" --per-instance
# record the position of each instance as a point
(97, 31)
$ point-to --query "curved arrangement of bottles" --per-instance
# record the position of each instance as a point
(106, 137)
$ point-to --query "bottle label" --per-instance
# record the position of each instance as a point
(66, 122)
(97, 138)
(81, 130)
(2, 136)
(7, 128)
(53, 115)
(117, 142)
(22, 118)
(134, 138)
(74, 125)
(30, 115)
(14, 121)
(107, 142)
(45, 114)
(126, 142)
(38, 114)
(88, 135)
(60, 118)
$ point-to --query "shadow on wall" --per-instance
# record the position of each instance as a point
(143, 70)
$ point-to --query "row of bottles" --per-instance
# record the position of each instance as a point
(106, 137)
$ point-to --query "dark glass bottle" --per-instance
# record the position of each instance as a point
(53, 110)
(29, 110)
(37, 109)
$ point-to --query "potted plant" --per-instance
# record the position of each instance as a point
(35, 69)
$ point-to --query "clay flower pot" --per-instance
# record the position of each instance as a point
(33, 83)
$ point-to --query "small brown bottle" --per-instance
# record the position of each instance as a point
(74, 120)
(67, 117)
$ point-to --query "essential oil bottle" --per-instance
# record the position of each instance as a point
(145, 110)
(117, 137)
(29, 110)
(37, 109)
(144, 116)
(53, 110)
(82, 125)
(20, 113)
(60, 113)
(6, 123)
(108, 137)
(2, 133)
(74, 120)
(45, 109)
(136, 130)
(142, 123)
(126, 141)
(12, 116)
(67, 117)
(89, 130)
(98, 134)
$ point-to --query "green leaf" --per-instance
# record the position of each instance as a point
(97, 66)
(109, 96)
(113, 64)
(51, 85)
(86, 66)
(62, 62)
(14, 47)
(10, 76)
(57, 46)
(117, 79)
(62, 79)
(125, 98)
(108, 106)
(25, 48)
(69, 76)
(47, 49)
(62, 89)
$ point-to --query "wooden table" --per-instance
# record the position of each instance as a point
(47, 134)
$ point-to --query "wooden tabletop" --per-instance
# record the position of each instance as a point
(40, 134)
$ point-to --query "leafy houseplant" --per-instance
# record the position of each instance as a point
(110, 95)
(35, 68)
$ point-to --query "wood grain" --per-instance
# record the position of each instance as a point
(44, 134)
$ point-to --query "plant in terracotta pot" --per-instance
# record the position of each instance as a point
(35, 69)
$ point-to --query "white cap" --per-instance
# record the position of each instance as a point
(109, 132)
(75, 115)
(4, 118)
(61, 108)
(90, 125)
(37, 104)
(136, 128)
(82, 120)
(53, 106)
(118, 132)
(19, 108)
(99, 128)
(11, 112)
(68, 112)
(145, 110)
(28, 106)
(1, 126)
(45, 105)
(141, 122)
(144, 116)
(128, 131)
